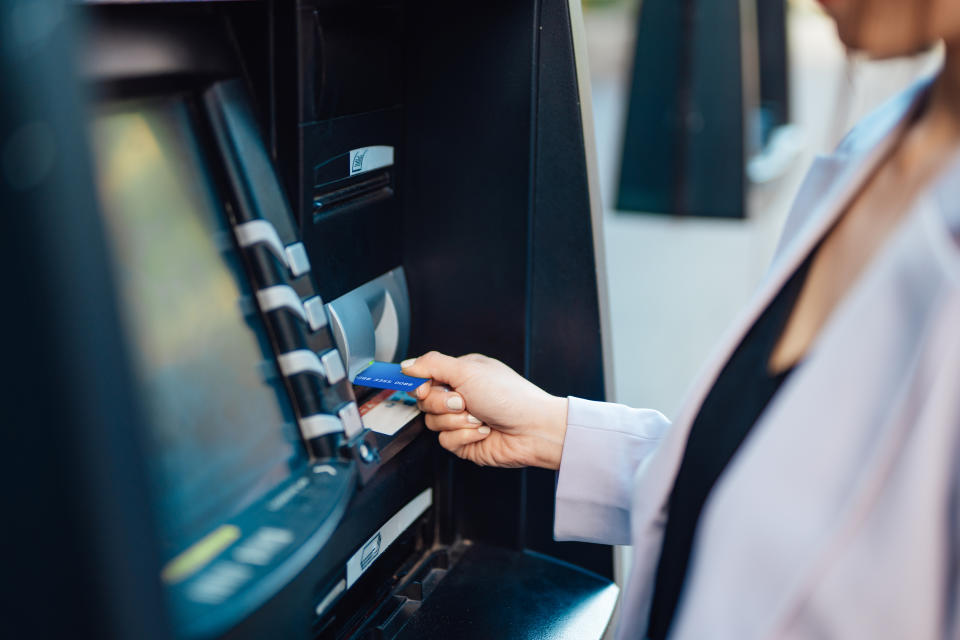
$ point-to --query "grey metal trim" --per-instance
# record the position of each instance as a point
(281, 296)
(319, 424)
(297, 260)
(316, 312)
(329, 366)
(350, 415)
(300, 361)
(372, 322)
(328, 599)
(333, 365)
(593, 179)
(263, 232)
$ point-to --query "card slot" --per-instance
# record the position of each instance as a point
(374, 188)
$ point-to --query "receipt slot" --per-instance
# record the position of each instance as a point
(372, 322)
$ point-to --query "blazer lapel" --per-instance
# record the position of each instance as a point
(831, 183)
(802, 486)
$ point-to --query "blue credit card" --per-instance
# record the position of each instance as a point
(386, 375)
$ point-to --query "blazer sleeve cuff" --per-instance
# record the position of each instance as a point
(604, 445)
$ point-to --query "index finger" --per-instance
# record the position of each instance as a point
(438, 367)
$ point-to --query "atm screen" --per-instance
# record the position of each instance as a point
(221, 431)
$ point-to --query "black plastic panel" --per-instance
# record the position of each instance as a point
(358, 67)
(355, 239)
(276, 537)
(565, 354)
(290, 614)
(136, 44)
(466, 209)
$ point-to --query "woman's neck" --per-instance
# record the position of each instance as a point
(935, 135)
(942, 115)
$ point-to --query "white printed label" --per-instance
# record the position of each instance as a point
(369, 158)
(379, 541)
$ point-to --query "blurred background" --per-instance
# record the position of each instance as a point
(677, 279)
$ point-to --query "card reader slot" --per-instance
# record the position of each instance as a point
(369, 189)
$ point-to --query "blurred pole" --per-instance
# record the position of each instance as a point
(684, 149)
(709, 85)
(774, 64)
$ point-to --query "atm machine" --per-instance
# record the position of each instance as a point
(225, 210)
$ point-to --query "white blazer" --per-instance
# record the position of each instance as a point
(839, 516)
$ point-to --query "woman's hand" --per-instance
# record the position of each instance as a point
(487, 413)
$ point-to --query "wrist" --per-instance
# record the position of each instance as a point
(551, 429)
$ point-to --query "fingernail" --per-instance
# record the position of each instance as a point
(472, 420)
(421, 390)
(406, 364)
(483, 430)
(455, 403)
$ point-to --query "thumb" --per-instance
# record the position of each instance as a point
(436, 366)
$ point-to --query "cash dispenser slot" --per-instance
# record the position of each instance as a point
(355, 193)
(534, 596)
